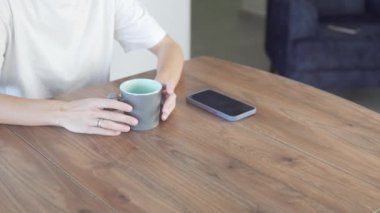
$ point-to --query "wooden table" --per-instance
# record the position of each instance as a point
(305, 151)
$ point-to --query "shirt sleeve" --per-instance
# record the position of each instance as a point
(135, 28)
(3, 43)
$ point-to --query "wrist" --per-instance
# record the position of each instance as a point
(56, 113)
(165, 81)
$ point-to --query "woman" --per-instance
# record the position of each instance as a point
(48, 47)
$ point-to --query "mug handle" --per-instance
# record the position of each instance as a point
(114, 96)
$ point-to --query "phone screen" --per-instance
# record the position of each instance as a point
(221, 102)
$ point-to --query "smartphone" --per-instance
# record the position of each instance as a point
(221, 105)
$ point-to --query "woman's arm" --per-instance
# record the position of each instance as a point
(169, 70)
(79, 116)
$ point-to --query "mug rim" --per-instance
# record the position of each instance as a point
(140, 79)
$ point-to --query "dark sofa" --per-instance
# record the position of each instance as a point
(330, 44)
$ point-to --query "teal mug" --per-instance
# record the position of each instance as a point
(144, 95)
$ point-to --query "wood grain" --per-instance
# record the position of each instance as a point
(322, 125)
(305, 151)
(29, 183)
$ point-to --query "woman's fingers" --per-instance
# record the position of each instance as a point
(169, 106)
(111, 125)
(115, 120)
(170, 101)
(118, 117)
(112, 104)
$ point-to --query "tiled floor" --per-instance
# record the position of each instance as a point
(219, 29)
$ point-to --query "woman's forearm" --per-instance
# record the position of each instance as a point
(80, 116)
(170, 61)
(29, 112)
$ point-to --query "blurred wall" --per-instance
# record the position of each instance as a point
(257, 7)
(174, 17)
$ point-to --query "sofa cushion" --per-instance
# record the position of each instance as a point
(339, 7)
(373, 6)
(334, 81)
(359, 27)
(341, 55)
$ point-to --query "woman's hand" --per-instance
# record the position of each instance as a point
(169, 101)
(96, 116)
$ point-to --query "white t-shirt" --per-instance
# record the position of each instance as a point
(48, 47)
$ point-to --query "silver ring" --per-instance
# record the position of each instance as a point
(99, 123)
